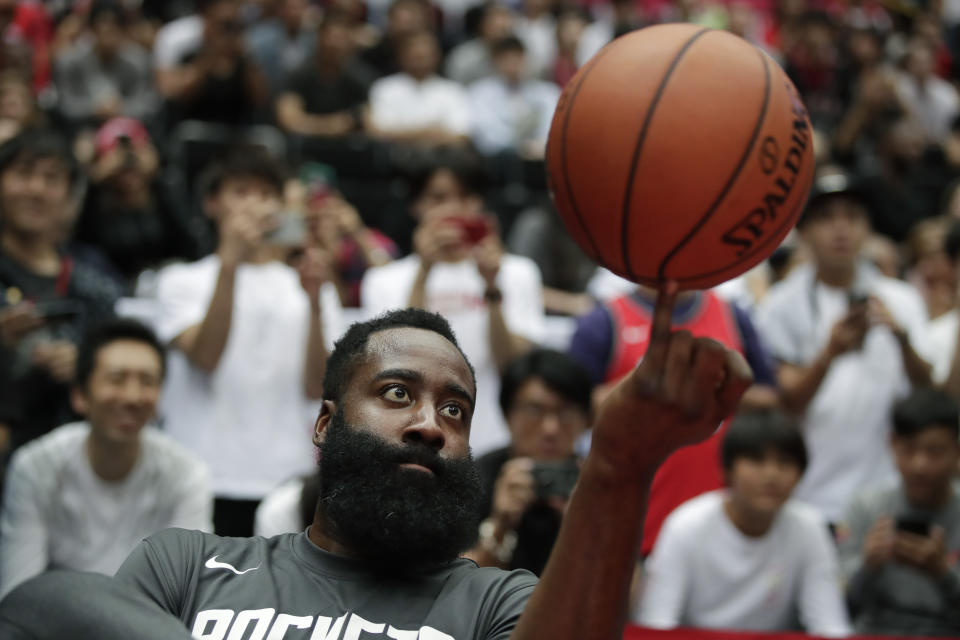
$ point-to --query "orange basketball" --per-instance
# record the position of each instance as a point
(679, 152)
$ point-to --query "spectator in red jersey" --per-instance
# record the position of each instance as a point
(611, 339)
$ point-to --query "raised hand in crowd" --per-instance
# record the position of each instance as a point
(16, 322)
(58, 357)
(926, 553)
(878, 543)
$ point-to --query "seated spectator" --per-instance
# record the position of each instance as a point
(47, 298)
(284, 42)
(537, 29)
(933, 101)
(404, 17)
(83, 496)
(930, 268)
(900, 545)
(250, 336)
(473, 60)
(18, 107)
(289, 508)
(416, 105)
(510, 112)
(545, 398)
(106, 75)
(748, 557)
(942, 334)
(327, 96)
(571, 24)
(127, 214)
(214, 80)
(26, 32)
(846, 340)
(493, 300)
(611, 339)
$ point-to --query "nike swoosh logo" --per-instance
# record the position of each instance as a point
(213, 564)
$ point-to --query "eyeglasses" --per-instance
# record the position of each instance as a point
(568, 416)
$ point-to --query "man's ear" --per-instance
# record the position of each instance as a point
(327, 409)
(78, 400)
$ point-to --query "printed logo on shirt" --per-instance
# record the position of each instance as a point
(260, 624)
(213, 564)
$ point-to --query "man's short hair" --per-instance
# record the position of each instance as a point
(562, 374)
(107, 8)
(466, 166)
(242, 162)
(926, 408)
(106, 333)
(509, 44)
(32, 145)
(752, 435)
(349, 350)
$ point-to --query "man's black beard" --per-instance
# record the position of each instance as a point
(401, 520)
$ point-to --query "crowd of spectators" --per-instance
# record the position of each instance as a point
(198, 197)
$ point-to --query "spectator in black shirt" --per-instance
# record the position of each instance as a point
(217, 82)
(545, 398)
(404, 18)
(47, 298)
(128, 214)
(328, 96)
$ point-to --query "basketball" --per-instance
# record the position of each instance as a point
(680, 152)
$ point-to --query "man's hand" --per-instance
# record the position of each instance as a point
(16, 322)
(848, 333)
(435, 238)
(243, 230)
(488, 254)
(59, 358)
(879, 314)
(927, 553)
(314, 269)
(513, 493)
(878, 544)
(678, 395)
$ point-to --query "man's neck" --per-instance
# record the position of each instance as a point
(837, 277)
(749, 524)
(318, 536)
(112, 462)
(937, 501)
(34, 253)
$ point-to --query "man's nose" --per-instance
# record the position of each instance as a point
(426, 429)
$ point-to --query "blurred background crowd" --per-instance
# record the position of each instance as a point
(198, 197)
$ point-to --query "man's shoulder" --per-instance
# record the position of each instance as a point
(490, 580)
(186, 547)
(172, 458)
(897, 292)
(786, 292)
(697, 512)
(52, 450)
(802, 516)
(188, 272)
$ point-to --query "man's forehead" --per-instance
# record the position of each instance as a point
(407, 345)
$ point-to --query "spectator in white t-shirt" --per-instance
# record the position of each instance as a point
(492, 299)
(846, 339)
(84, 495)
(416, 105)
(512, 112)
(250, 336)
(747, 557)
(942, 336)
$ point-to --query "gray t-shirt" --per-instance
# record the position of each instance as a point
(287, 588)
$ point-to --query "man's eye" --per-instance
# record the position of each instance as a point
(396, 393)
(452, 411)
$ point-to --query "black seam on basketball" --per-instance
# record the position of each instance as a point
(787, 222)
(568, 185)
(730, 181)
(641, 137)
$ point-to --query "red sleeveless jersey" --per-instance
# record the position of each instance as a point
(692, 470)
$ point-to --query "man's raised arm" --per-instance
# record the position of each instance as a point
(678, 395)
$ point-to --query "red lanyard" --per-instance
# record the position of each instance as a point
(63, 278)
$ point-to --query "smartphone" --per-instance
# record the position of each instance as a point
(53, 311)
(320, 181)
(555, 479)
(291, 230)
(474, 228)
(914, 525)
